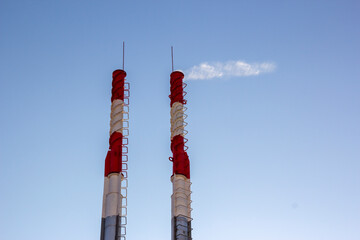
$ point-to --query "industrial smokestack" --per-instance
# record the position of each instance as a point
(180, 199)
(114, 212)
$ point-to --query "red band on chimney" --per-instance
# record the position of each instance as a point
(113, 160)
(181, 163)
(118, 85)
(176, 88)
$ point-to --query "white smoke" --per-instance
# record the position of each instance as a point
(206, 70)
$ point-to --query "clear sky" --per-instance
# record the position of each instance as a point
(275, 155)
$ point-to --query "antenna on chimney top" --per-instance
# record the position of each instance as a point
(123, 67)
(172, 58)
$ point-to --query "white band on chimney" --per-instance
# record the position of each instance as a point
(116, 116)
(177, 120)
(181, 202)
(115, 195)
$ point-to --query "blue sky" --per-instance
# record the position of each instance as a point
(274, 156)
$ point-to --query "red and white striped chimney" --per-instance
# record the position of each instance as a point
(180, 199)
(114, 212)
